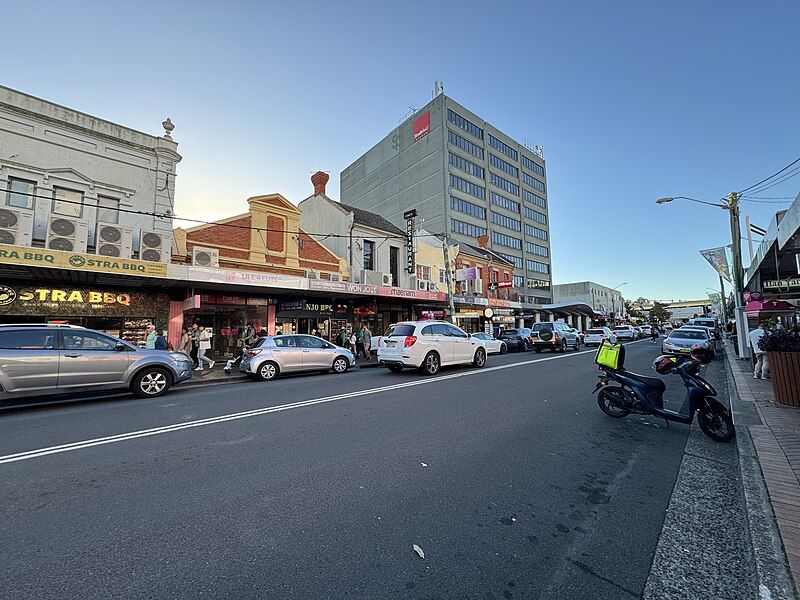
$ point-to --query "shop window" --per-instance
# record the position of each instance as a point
(107, 210)
(87, 340)
(20, 193)
(31, 339)
(67, 202)
(369, 255)
(394, 261)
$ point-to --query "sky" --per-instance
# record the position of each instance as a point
(632, 101)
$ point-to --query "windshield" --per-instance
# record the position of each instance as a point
(685, 334)
(595, 331)
(401, 330)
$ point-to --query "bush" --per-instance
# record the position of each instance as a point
(781, 340)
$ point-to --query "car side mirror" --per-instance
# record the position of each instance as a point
(119, 347)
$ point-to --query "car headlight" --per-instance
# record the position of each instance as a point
(179, 357)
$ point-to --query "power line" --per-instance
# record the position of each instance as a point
(794, 172)
(748, 197)
(794, 162)
(766, 201)
(233, 226)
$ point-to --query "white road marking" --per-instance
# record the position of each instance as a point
(122, 437)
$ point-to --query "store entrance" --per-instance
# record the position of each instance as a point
(227, 325)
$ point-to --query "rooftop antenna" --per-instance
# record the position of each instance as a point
(438, 88)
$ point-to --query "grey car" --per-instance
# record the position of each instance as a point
(273, 355)
(56, 359)
(555, 336)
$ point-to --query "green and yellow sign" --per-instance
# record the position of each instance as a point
(57, 259)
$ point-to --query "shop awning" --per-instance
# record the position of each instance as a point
(759, 308)
(571, 308)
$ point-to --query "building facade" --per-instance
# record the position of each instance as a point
(464, 177)
(605, 301)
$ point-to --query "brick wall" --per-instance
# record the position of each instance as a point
(276, 235)
(232, 234)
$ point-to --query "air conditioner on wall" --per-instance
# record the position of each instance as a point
(372, 277)
(386, 279)
(474, 286)
(311, 274)
(205, 257)
(152, 246)
(16, 226)
(433, 286)
(422, 284)
(335, 277)
(114, 241)
(67, 233)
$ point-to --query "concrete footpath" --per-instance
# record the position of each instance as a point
(768, 439)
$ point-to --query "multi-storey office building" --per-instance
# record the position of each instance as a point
(463, 176)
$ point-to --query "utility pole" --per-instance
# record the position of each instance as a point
(449, 276)
(722, 300)
(732, 206)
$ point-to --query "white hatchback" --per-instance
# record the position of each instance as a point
(596, 335)
(429, 345)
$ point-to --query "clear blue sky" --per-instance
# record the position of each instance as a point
(631, 101)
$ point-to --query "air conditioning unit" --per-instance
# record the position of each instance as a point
(67, 233)
(386, 279)
(433, 286)
(153, 246)
(372, 277)
(311, 274)
(205, 257)
(335, 277)
(114, 241)
(474, 286)
(16, 226)
(422, 284)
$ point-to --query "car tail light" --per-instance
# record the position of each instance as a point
(409, 341)
(254, 351)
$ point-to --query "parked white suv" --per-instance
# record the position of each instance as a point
(429, 345)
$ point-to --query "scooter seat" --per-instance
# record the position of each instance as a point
(653, 382)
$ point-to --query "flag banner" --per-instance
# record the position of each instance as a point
(719, 260)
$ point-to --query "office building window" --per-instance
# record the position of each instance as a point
(467, 207)
(468, 126)
(533, 198)
(516, 260)
(535, 232)
(538, 267)
(466, 228)
(424, 272)
(464, 144)
(465, 165)
(532, 248)
(532, 166)
(504, 166)
(506, 221)
(67, 202)
(503, 147)
(506, 240)
(532, 181)
(535, 215)
(504, 184)
(20, 193)
(518, 281)
(467, 187)
(107, 210)
(504, 202)
(369, 255)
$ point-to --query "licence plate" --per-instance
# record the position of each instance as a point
(391, 343)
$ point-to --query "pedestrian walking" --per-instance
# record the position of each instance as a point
(161, 342)
(150, 340)
(761, 370)
(195, 342)
(654, 331)
(185, 344)
(367, 341)
(360, 341)
(353, 340)
(203, 346)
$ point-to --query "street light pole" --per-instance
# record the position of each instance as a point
(614, 301)
(449, 276)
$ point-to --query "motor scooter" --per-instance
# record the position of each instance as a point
(645, 395)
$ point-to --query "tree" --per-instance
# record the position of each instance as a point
(660, 312)
(632, 309)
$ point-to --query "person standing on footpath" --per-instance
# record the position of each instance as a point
(762, 362)
(161, 341)
(150, 340)
(185, 345)
(359, 341)
(367, 341)
(203, 346)
(654, 331)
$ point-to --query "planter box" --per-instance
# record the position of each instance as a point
(784, 368)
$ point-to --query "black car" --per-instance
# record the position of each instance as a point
(517, 340)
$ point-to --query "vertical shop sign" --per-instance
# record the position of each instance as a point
(410, 217)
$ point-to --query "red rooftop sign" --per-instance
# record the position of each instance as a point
(421, 125)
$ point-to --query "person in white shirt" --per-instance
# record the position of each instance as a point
(203, 346)
(762, 364)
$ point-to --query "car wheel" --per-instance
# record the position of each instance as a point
(340, 364)
(577, 345)
(503, 348)
(395, 368)
(563, 345)
(480, 358)
(267, 371)
(151, 383)
(431, 364)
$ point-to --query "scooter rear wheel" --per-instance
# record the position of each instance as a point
(716, 422)
(609, 399)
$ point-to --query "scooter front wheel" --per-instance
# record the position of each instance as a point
(716, 422)
(610, 400)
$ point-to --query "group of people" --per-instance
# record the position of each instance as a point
(357, 341)
(194, 343)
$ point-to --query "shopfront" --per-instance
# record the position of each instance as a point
(325, 317)
(122, 312)
(226, 316)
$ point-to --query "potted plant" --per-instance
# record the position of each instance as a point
(783, 352)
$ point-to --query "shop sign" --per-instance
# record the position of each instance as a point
(488, 313)
(421, 125)
(304, 305)
(414, 294)
(257, 301)
(782, 285)
(467, 274)
(431, 314)
(228, 299)
(57, 259)
(410, 217)
(478, 300)
(61, 297)
(320, 308)
(292, 305)
(539, 284)
(365, 311)
(192, 302)
(232, 276)
(468, 314)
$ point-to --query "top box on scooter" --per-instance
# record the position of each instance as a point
(610, 356)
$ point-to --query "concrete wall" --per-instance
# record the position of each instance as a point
(55, 146)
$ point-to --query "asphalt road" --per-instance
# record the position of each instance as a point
(510, 479)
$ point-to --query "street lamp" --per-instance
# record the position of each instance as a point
(613, 301)
(731, 204)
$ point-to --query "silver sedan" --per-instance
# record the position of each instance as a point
(273, 355)
(493, 346)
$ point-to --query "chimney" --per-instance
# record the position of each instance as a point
(319, 179)
(483, 241)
